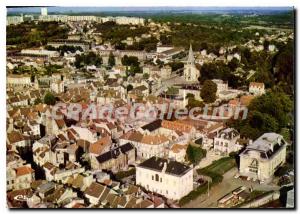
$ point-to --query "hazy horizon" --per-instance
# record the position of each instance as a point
(155, 9)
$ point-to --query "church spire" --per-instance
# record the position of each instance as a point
(191, 58)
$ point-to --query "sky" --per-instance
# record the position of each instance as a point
(260, 10)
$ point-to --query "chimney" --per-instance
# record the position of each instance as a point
(165, 167)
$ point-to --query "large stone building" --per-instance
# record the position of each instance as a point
(169, 178)
(115, 160)
(18, 80)
(146, 145)
(261, 158)
(191, 73)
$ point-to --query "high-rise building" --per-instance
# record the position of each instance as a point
(44, 11)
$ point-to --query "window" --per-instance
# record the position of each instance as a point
(156, 177)
(160, 180)
(152, 177)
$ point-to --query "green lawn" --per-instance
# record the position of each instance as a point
(220, 166)
(215, 171)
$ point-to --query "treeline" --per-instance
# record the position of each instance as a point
(283, 19)
(115, 33)
(31, 34)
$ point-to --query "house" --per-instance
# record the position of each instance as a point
(141, 90)
(57, 86)
(60, 195)
(54, 173)
(168, 178)
(94, 192)
(45, 189)
(226, 141)
(257, 88)
(166, 72)
(80, 181)
(221, 85)
(23, 177)
(101, 146)
(146, 145)
(177, 152)
(263, 157)
(115, 159)
(17, 140)
(177, 126)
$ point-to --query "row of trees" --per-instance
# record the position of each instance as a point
(87, 59)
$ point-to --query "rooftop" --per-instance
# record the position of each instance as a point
(171, 167)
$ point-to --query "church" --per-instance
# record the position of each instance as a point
(191, 73)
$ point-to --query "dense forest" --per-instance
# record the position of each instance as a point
(31, 34)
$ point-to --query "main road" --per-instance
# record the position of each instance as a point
(228, 184)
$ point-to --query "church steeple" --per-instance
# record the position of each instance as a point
(191, 73)
(191, 58)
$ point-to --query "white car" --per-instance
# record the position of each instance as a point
(236, 176)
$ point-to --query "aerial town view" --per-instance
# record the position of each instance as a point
(158, 107)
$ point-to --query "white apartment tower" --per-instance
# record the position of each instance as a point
(44, 11)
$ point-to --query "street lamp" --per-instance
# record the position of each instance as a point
(209, 179)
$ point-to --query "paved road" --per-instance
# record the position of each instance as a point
(228, 184)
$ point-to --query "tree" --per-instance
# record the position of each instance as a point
(111, 60)
(195, 154)
(208, 91)
(129, 87)
(193, 103)
(49, 98)
(37, 101)
(172, 91)
(130, 61)
(176, 65)
(146, 76)
(270, 112)
(189, 95)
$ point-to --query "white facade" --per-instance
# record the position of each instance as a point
(163, 181)
(18, 80)
(44, 11)
(40, 52)
(257, 88)
(221, 85)
(226, 141)
(13, 20)
(57, 86)
(261, 158)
